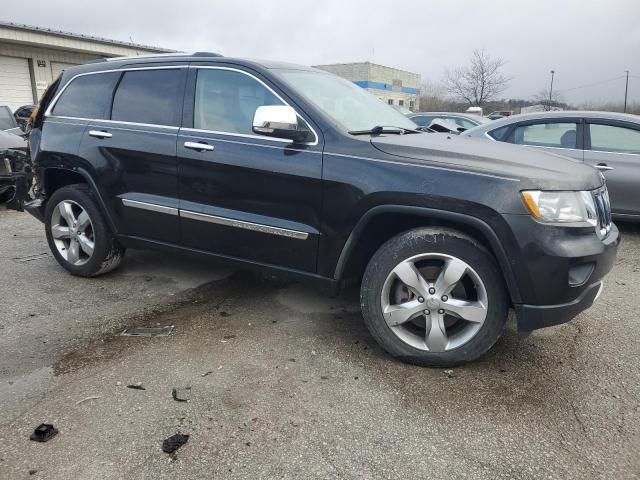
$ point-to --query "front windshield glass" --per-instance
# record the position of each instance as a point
(348, 105)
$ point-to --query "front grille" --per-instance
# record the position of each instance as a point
(603, 208)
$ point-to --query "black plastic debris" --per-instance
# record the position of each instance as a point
(136, 386)
(181, 394)
(174, 442)
(44, 432)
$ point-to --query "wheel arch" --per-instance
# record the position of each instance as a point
(56, 178)
(383, 222)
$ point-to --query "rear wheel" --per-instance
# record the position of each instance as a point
(434, 297)
(78, 235)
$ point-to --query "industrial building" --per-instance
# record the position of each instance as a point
(392, 85)
(32, 57)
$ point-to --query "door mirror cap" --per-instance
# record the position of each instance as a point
(279, 121)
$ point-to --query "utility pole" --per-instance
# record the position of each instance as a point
(551, 88)
(626, 91)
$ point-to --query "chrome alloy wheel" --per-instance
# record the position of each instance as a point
(434, 302)
(72, 232)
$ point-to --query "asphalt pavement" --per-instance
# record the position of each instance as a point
(285, 382)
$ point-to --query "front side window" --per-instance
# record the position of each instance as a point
(226, 101)
(612, 138)
(88, 96)
(6, 119)
(149, 96)
(560, 135)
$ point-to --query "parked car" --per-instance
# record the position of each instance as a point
(12, 162)
(294, 170)
(8, 122)
(607, 141)
(402, 110)
(499, 114)
(22, 115)
(462, 121)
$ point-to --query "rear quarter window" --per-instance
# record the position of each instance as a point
(87, 96)
(499, 134)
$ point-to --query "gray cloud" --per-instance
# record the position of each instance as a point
(584, 41)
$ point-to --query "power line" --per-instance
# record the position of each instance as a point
(592, 84)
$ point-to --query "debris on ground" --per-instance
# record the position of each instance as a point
(449, 373)
(229, 337)
(44, 432)
(225, 314)
(209, 372)
(94, 397)
(324, 377)
(148, 331)
(33, 471)
(174, 442)
(181, 394)
(136, 386)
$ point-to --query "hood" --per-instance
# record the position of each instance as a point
(534, 169)
(10, 140)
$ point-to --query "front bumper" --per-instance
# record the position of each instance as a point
(561, 271)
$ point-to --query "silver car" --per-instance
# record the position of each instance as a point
(608, 141)
(464, 121)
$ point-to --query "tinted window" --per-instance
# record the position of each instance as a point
(6, 119)
(88, 96)
(609, 138)
(547, 135)
(226, 101)
(499, 133)
(149, 96)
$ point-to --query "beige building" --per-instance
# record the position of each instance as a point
(392, 85)
(32, 57)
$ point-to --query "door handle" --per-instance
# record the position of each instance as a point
(603, 167)
(200, 146)
(100, 134)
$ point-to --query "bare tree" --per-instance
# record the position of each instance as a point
(550, 99)
(480, 81)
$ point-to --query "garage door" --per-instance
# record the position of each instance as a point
(15, 82)
(58, 67)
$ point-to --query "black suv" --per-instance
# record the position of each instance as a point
(284, 167)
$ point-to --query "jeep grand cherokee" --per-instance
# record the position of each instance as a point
(284, 167)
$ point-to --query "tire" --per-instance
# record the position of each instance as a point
(106, 253)
(448, 339)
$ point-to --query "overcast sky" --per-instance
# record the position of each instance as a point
(584, 41)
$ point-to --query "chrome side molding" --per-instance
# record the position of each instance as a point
(152, 207)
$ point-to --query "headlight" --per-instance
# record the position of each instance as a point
(561, 207)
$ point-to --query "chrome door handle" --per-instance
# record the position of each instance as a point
(199, 146)
(100, 134)
(603, 167)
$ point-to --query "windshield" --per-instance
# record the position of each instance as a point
(348, 105)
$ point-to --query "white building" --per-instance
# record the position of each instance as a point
(32, 57)
(391, 85)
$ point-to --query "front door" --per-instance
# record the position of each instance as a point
(244, 195)
(562, 136)
(134, 152)
(614, 148)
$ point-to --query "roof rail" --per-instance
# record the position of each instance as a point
(163, 55)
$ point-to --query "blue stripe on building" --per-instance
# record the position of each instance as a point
(386, 87)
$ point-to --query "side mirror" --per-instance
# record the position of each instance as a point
(279, 121)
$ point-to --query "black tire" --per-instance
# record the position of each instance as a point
(442, 241)
(107, 253)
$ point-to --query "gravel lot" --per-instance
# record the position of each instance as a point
(287, 383)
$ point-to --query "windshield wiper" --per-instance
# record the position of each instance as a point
(379, 130)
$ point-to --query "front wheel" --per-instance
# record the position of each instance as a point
(78, 235)
(434, 297)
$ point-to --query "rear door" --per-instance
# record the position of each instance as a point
(244, 195)
(614, 148)
(133, 152)
(562, 136)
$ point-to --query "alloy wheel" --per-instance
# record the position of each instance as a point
(434, 302)
(72, 232)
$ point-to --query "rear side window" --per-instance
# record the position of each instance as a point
(88, 96)
(561, 135)
(611, 138)
(149, 96)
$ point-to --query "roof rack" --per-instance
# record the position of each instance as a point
(164, 55)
